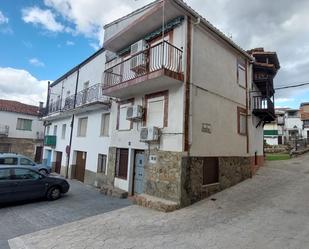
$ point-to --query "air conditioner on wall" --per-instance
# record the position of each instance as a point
(138, 60)
(135, 112)
(149, 134)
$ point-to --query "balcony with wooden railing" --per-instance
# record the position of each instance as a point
(263, 107)
(154, 68)
(88, 97)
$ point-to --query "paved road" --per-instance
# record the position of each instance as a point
(82, 201)
(270, 211)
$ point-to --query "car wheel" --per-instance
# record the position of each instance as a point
(43, 172)
(53, 193)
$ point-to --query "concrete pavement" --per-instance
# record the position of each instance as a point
(80, 202)
(269, 211)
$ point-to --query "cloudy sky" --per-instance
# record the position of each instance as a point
(41, 40)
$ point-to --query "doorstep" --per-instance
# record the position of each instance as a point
(156, 203)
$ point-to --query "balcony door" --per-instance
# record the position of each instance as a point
(85, 92)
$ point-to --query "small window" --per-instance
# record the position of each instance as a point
(242, 121)
(82, 127)
(55, 130)
(24, 124)
(105, 124)
(210, 170)
(241, 73)
(64, 127)
(25, 174)
(102, 160)
(8, 161)
(155, 112)
(122, 163)
(124, 124)
(47, 130)
(5, 174)
(25, 161)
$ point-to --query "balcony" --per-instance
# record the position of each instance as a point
(4, 130)
(85, 100)
(153, 69)
(263, 108)
(264, 81)
(50, 141)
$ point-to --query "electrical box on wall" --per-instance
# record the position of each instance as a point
(152, 159)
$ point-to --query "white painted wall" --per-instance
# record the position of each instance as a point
(214, 69)
(10, 119)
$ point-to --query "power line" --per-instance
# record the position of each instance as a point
(292, 86)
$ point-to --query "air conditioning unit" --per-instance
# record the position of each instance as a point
(149, 134)
(138, 47)
(138, 60)
(135, 112)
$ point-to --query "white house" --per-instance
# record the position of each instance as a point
(77, 122)
(191, 104)
(185, 107)
(21, 129)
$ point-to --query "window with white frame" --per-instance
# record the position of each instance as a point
(155, 111)
(82, 127)
(47, 130)
(55, 130)
(105, 124)
(64, 127)
(24, 124)
(102, 160)
(241, 73)
(124, 124)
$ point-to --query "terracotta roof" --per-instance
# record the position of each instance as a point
(14, 106)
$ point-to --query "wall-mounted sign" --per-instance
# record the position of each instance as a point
(206, 128)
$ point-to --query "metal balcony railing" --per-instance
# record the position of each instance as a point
(262, 103)
(89, 95)
(4, 130)
(160, 56)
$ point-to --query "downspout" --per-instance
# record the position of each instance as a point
(72, 126)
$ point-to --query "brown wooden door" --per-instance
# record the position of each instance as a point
(58, 162)
(80, 165)
(38, 154)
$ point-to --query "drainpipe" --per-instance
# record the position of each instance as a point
(72, 126)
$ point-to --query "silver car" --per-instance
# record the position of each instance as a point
(12, 159)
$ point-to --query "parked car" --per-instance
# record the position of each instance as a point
(12, 159)
(23, 183)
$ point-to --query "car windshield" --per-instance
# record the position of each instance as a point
(8, 160)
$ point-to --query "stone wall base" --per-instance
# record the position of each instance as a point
(156, 203)
(22, 146)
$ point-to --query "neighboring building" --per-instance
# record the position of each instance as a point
(274, 131)
(190, 109)
(304, 112)
(293, 125)
(21, 129)
(77, 122)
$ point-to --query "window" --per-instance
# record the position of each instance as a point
(241, 73)
(124, 124)
(242, 121)
(210, 170)
(82, 127)
(25, 174)
(105, 124)
(157, 109)
(122, 163)
(25, 161)
(102, 160)
(8, 161)
(5, 174)
(55, 130)
(47, 130)
(24, 124)
(155, 112)
(64, 127)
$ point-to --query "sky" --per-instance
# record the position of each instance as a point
(42, 40)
